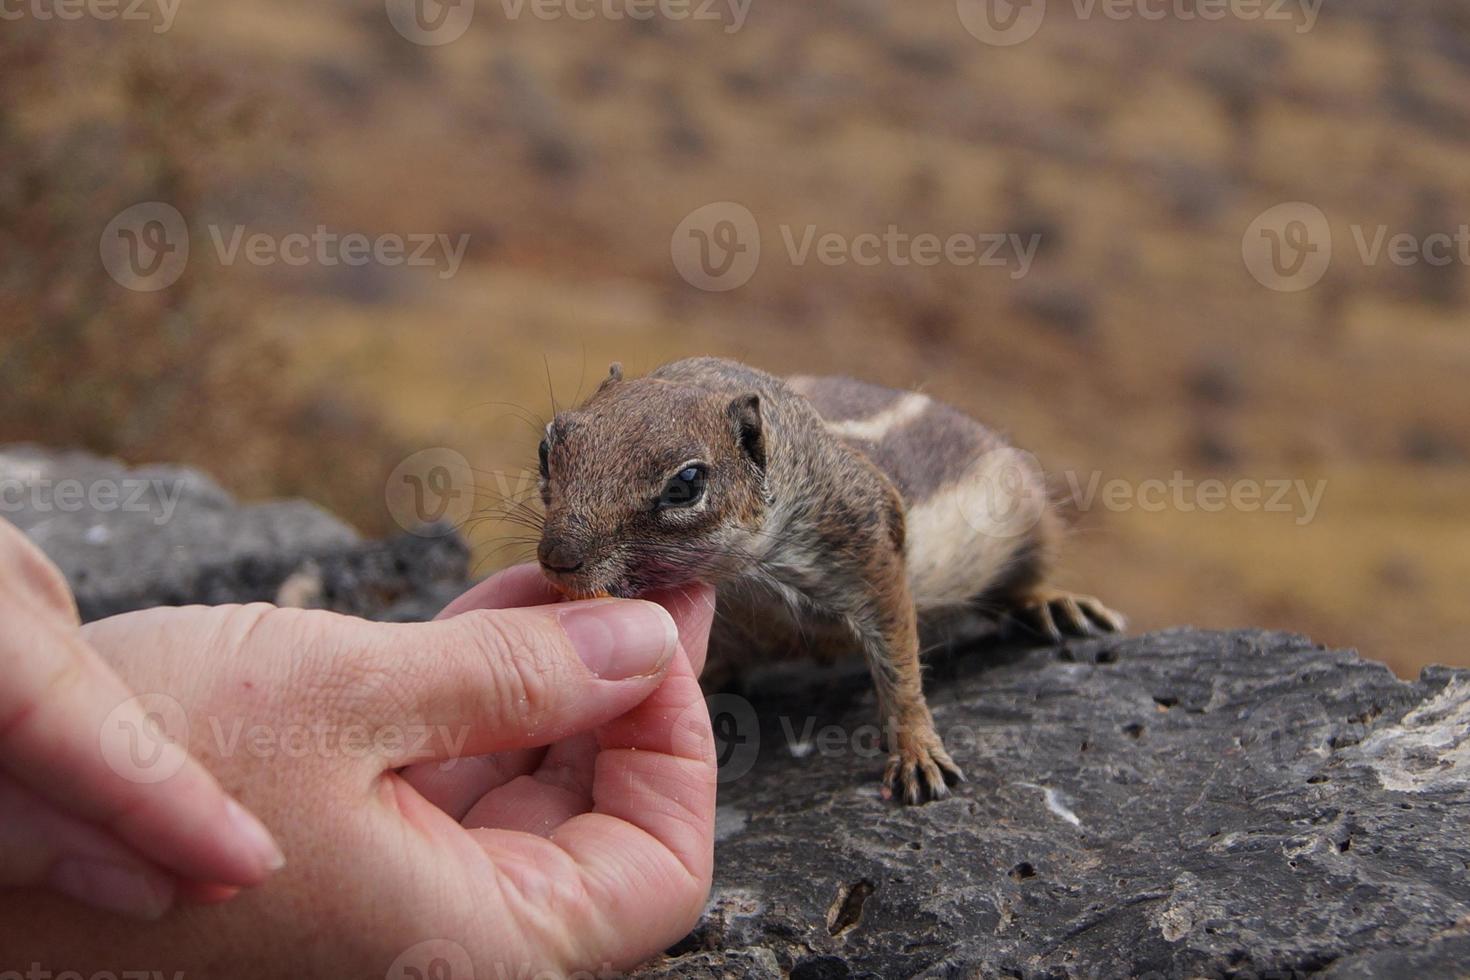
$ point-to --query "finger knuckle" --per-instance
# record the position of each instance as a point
(333, 678)
(524, 674)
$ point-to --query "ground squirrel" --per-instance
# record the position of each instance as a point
(830, 515)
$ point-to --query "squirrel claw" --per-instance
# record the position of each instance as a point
(1058, 614)
(920, 772)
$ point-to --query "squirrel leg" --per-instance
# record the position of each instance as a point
(918, 768)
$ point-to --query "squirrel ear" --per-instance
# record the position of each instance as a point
(614, 374)
(745, 412)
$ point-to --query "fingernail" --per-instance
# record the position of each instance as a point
(262, 844)
(620, 638)
(117, 888)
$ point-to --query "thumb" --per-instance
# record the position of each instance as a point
(495, 679)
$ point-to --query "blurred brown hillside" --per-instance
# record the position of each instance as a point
(1137, 344)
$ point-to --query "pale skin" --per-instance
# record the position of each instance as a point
(67, 820)
(573, 831)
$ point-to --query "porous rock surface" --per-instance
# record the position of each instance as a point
(1177, 805)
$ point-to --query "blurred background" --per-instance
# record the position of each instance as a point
(1171, 322)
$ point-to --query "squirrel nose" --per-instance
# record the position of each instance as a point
(558, 556)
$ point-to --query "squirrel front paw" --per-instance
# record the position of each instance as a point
(919, 769)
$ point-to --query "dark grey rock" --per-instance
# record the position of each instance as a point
(130, 538)
(1183, 804)
(1444, 958)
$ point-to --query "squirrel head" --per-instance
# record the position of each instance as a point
(651, 484)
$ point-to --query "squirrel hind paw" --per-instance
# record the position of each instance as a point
(1057, 615)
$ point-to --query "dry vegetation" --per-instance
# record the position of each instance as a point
(1137, 345)
(192, 372)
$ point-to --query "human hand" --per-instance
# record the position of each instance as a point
(609, 864)
(527, 789)
(73, 816)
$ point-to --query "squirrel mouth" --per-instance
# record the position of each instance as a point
(613, 590)
(579, 594)
(632, 583)
(577, 587)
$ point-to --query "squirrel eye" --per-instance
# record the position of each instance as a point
(684, 489)
(544, 451)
